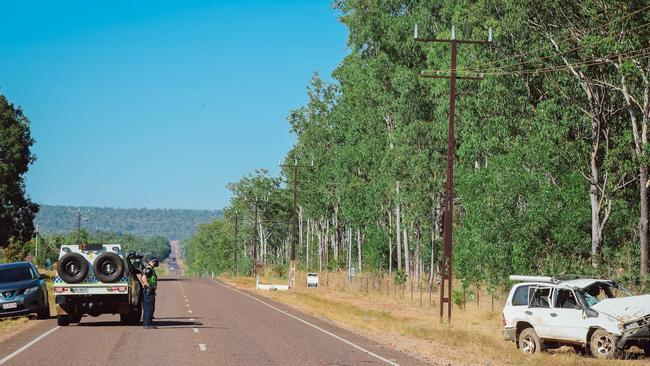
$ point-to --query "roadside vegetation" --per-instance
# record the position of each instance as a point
(551, 162)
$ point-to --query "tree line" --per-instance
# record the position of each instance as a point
(45, 249)
(551, 147)
(170, 223)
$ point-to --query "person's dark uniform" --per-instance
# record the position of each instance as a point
(149, 294)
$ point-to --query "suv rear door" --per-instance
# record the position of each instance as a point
(539, 309)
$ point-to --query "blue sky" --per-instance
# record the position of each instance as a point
(160, 104)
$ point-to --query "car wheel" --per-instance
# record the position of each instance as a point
(603, 344)
(108, 267)
(62, 320)
(72, 268)
(529, 342)
(44, 313)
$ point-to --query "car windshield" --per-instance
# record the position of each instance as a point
(16, 274)
(599, 291)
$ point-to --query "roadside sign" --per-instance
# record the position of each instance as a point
(312, 279)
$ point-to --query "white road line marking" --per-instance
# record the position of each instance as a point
(202, 346)
(23, 348)
(312, 325)
(188, 305)
(195, 330)
(191, 319)
(189, 311)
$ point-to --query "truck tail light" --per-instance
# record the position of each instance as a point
(60, 290)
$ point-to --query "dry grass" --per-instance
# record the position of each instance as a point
(473, 338)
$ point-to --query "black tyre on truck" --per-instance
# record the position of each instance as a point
(72, 268)
(108, 267)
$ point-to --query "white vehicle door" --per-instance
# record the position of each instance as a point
(514, 310)
(566, 321)
(539, 310)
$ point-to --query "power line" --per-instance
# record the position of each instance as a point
(532, 60)
(562, 40)
(601, 60)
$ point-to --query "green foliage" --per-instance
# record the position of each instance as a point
(16, 209)
(458, 297)
(211, 249)
(16, 251)
(280, 271)
(532, 144)
(155, 246)
(400, 278)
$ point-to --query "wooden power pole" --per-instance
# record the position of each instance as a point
(446, 268)
(294, 220)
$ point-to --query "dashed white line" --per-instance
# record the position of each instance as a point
(195, 330)
(202, 346)
(191, 319)
(311, 325)
(189, 311)
(23, 348)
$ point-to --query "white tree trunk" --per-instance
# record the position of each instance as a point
(398, 230)
(407, 266)
(359, 248)
(390, 241)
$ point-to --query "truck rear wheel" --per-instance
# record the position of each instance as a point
(62, 320)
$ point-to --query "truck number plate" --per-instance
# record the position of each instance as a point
(79, 290)
(11, 305)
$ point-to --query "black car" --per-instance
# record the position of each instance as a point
(23, 291)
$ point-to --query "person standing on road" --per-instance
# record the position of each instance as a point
(149, 281)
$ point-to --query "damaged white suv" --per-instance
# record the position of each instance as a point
(594, 316)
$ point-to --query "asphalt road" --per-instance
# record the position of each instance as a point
(200, 322)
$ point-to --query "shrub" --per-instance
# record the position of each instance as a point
(400, 278)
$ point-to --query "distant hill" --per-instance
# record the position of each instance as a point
(170, 223)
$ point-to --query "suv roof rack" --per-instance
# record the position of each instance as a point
(547, 279)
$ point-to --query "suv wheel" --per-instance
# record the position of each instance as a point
(603, 344)
(529, 342)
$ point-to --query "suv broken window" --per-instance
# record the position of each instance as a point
(540, 297)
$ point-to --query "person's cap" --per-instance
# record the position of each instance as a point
(154, 260)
